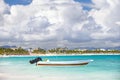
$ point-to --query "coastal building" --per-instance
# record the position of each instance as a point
(102, 49)
(77, 49)
(13, 48)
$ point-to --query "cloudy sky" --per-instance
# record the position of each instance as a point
(60, 23)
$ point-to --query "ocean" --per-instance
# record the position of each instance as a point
(104, 67)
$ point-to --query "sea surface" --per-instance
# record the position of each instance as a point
(104, 67)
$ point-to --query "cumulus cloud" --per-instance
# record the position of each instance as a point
(46, 23)
(106, 14)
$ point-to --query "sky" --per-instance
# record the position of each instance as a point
(60, 23)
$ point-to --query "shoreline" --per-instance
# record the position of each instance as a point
(59, 55)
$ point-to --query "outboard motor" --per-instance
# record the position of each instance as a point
(35, 60)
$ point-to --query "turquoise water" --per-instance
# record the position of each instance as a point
(104, 67)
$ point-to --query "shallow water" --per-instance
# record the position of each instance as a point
(104, 67)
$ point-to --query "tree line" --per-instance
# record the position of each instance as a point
(96, 51)
(21, 51)
(9, 51)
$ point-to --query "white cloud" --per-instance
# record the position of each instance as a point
(106, 15)
(118, 22)
(59, 22)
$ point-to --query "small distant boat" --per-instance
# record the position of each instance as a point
(63, 63)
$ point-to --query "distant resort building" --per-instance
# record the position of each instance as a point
(30, 50)
(102, 49)
(13, 48)
(77, 49)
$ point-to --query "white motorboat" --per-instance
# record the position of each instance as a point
(63, 63)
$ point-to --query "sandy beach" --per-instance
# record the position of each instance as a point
(60, 54)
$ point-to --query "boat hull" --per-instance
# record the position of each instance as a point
(64, 63)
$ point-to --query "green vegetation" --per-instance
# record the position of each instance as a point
(9, 51)
(21, 51)
(75, 51)
(39, 51)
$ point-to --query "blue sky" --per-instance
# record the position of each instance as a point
(60, 23)
(27, 2)
(14, 2)
(84, 1)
